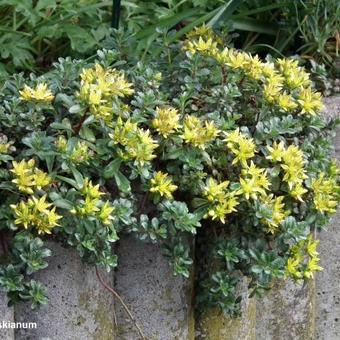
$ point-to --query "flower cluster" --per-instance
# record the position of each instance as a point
(241, 146)
(221, 201)
(41, 93)
(326, 193)
(76, 152)
(284, 83)
(100, 89)
(277, 214)
(37, 213)
(292, 162)
(254, 182)
(91, 205)
(162, 185)
(6, 146)
(137, 142)
(27, 177)
(197, 133)
(166, 121)
(304, 259)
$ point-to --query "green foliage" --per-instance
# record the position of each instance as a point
(307, 28)
(35, 33)
(220, 158)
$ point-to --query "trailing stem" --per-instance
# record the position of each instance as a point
(118, 297)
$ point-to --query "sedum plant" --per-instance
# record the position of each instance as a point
(222, 158)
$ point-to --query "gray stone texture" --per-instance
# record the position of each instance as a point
(214, 325)
(6, 315)
(159, 302)
(79, 307)
(286, 312)
(328, 281)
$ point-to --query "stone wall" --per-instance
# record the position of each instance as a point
(80, 309)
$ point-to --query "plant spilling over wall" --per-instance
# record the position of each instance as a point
(206, 145)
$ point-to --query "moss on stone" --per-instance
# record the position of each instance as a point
(214, 325)
(92, 303)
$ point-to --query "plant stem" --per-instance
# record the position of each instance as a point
(80, 124)
(117, 296)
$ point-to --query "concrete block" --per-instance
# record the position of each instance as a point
(6, 317)
(159, 302)
(332, 107)
(214, 325)
(287, 312)
(328, 281)
(79, 307)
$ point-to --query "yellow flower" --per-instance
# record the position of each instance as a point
(100, 88)
(254, 182)
(196, 133)
(304, 259)
(311, 246)
(204, 46)
(248, 188)
(61, 144)
(28, 178)
(39, 204)
(237, 60)
(80, 153)
(295, 76)
(278, 214)
(138, 143)
(241, 146)
(92, 205)
(41, 179)
(162, 185)
(215, 191)
(297, 192)
(5, 145)
(124, 132)
(105, 214)
(90, 190)
(271, 92)
(220, 210)
(88, 208)
(310, 101)
(292, 268)
(268, 70)
(204, 32)
(23, 173)
(326, 193)
(276, 152)
(41, 93)
(4, 148)
(142, 147)
(166, 121)
(313, 266)
(293, 166)
(254, 67)
(286, 102)
(36, 213)
(222, 57)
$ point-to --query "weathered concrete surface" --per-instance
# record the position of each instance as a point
(6, 315)
(287, 312)
(79, 307)
(328, 281)
(214, 325)
(159, 302)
